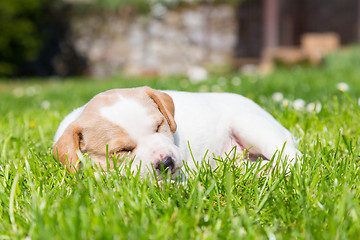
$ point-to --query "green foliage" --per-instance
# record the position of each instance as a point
(320, 199)
(140, 5)
(20, 37)
(146, 5)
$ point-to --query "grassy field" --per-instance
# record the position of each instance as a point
(320, 199)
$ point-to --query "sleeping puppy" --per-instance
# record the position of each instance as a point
(161, 129)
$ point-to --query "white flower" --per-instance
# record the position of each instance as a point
(299, 104)
(310, 107)
(45, 104)
(197, 74)
(318, 107)
(314, 107)
(342, 86)
(236, 81)
(277, 97)
(285, 102)
(359, 101)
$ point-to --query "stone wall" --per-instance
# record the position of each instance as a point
(155, 45)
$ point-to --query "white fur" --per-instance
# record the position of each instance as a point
(207, 120)
(117, 114)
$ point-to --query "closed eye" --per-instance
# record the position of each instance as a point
(159, 126)
(123, 150)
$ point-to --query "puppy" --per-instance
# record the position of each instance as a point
(161, 129)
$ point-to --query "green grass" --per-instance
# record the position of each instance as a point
(320, 199)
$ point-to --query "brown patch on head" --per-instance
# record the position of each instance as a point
(92, 138)
(101, 133)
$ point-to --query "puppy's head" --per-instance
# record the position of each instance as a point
(136, 124)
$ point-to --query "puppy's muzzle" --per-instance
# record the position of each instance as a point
(166, 165)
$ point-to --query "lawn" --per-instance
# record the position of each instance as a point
(319, 199)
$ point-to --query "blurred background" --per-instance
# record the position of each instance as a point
(102, 38)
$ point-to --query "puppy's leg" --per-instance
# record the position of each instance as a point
(263, 136)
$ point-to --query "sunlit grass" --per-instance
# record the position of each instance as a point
(320, 199)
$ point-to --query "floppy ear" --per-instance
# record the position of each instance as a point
(165, 105)
(67, 145)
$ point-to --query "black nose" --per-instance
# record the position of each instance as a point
(167, 164)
